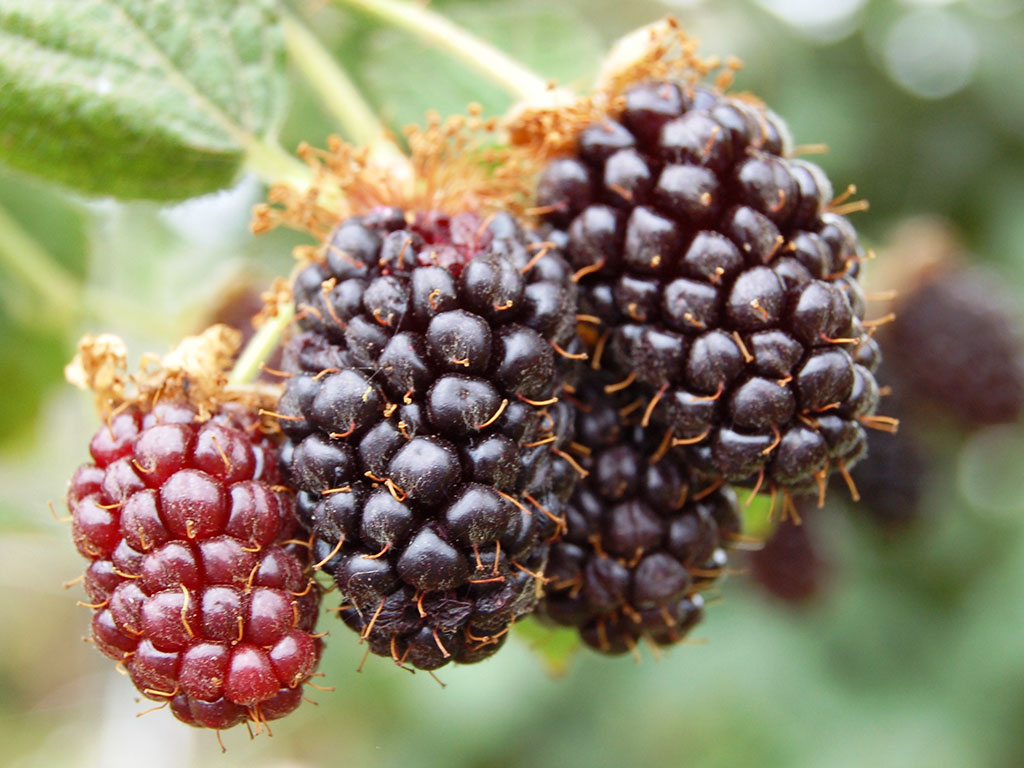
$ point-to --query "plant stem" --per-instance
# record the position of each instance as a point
(273, 165)
(338, 94)
(516, 79)
(32, 265)
(262, 345)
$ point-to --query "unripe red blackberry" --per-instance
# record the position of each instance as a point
(195, 587)
(721, 281)
(644, 536)
(425, 431)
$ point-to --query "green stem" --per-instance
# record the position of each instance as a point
(338, 94)
(512, 76)
(32, 265)
(273, 165)
(262, 345)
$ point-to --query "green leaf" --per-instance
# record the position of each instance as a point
(137, 98)
(31, 365)
(555, 647)
(760, 517)
(56, 221)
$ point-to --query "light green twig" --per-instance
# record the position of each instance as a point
(273, 165)
(262, 345)
(513, 77)
(338, 94)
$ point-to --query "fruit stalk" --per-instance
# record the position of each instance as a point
(513, 77)
(338, 93)
(273, 165)
(262, 345)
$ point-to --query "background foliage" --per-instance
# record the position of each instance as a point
(911, 657)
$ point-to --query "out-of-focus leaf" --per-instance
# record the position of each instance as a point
(136, 98)
(556, 647)
(154, 278)
(760, 516)
(31, 364)
(989, 471)
(405, 77)
(56, 222)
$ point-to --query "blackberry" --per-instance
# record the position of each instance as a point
(196, 590)
(790, 566)
(955, 341)
(424, 426)
(721, 282)
(644, 537)
(892, 485)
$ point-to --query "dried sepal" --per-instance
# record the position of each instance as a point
(100, 366)
(658, 51)
(454, 165)
(196, 371)
(278, 295)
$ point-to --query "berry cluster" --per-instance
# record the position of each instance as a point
(195, 588)
(643, 538)
(432, 402)
(424, 426)
(724, 289)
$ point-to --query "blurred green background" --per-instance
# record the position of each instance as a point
(910, 657)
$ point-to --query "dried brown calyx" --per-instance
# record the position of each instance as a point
(195, 372)
(454, 165)
(659, 51)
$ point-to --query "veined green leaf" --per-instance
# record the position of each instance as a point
(159, 99)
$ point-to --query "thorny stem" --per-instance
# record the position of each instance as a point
(260, 346)
(516, 79)
(338, 94)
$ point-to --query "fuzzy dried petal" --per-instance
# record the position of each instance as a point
(195, 371)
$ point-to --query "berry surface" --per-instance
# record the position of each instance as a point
(425, 428)
(719, 283)
(196, 589)
(644, 536)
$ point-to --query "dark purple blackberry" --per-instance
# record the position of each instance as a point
(790, 566)
(196, 587)
(892, 485)
(425, 428)
(955, 341)
(644, 535)
(724, 285)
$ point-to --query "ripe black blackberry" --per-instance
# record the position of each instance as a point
(644, 536)
(892, 485)
(195, 588)
(425, 428)
(721, 283)
(955, 341)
